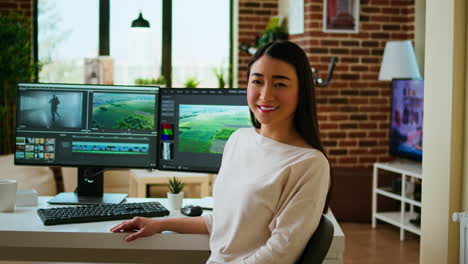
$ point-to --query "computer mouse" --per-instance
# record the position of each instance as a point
(191, 210)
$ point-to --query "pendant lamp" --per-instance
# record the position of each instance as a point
(140, 22)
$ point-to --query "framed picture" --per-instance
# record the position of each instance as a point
(341, 16)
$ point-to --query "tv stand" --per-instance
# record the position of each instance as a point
(90, 189)
(410, 172)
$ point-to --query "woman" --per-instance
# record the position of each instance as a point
(274, 180)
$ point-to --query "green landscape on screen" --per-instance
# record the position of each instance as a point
(123, 111)
(206, 128)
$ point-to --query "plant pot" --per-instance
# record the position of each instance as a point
(175, 200)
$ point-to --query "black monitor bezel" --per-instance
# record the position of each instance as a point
(161, 92)
(146, 87)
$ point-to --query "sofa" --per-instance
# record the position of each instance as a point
(39, 178)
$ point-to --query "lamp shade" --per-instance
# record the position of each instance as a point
(399, 61)
(140, 22)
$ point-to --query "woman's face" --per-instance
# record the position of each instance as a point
(272, 91)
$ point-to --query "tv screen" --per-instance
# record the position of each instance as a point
(406, 129)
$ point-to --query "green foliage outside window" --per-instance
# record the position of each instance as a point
(191, 82)
(147, 81)
(219, 72)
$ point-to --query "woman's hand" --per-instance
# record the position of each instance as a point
(143, 226)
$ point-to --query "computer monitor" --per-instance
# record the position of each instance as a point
(195, 125)
(92, 127)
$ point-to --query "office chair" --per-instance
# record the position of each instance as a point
(319, 244)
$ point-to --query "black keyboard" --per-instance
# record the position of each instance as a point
(100, 212)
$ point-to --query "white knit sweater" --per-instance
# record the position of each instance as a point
(268, 199)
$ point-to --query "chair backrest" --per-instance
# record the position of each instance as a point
(319, 244)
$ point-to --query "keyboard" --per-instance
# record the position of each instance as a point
(100, 212)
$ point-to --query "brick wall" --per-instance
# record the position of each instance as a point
(23, 7)
(354, 111)
(253, 18)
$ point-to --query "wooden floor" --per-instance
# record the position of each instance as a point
(378, 246)
(364, 245)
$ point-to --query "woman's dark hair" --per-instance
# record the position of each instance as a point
(305, 117)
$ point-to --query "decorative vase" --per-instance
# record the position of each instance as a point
(175, 200)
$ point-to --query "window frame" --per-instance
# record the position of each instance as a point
(104, 37)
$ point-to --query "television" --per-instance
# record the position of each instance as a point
(92, 127)
(195, 125)
(406, 128)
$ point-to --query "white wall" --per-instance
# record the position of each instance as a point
(420, 32)
(444, 107)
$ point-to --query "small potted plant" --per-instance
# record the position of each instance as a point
(176, 195)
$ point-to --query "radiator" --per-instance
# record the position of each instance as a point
(463, 218)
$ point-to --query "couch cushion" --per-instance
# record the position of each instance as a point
(39, 178)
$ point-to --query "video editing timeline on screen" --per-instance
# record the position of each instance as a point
(87, 125)
(195, 125)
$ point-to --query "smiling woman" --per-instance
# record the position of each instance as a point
(276, 169)
(272, 92)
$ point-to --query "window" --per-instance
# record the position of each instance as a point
(136, 52)
(67, 34)
(69, 37)
(200, 41)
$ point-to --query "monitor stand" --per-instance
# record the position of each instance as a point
(90, 190)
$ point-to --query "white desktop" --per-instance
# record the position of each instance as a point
(23, 237)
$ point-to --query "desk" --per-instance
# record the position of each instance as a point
(23, 237)
(141, 179)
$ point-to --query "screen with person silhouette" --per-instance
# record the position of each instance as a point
(51, 110)
(406, 129)
(92, 127)
(195, 125)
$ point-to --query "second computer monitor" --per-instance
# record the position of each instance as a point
(195, 125)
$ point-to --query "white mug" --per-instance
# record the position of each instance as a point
(7, 195)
